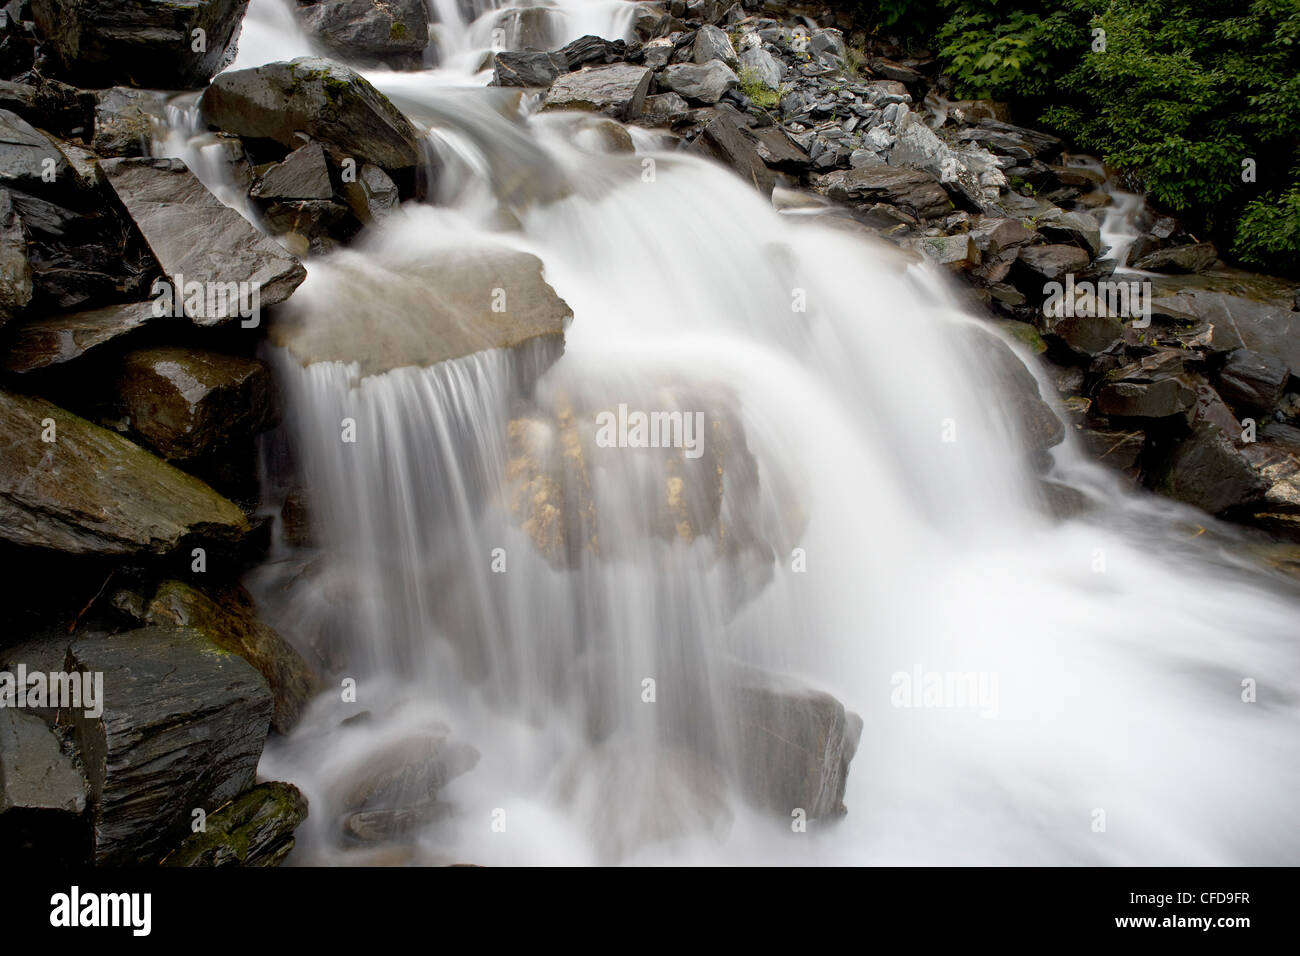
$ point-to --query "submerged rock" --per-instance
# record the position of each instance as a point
(325, 100)
(89, 491)
(254, 829)
(182, 728)
(143, 43)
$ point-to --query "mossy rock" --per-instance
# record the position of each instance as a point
(254, 829)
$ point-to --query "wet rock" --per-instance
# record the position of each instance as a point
(90, 491)
(703, 83)
(528, 69)
(15, 270)
(1253, 381)
(194, 236)
(406, 773)
(590, 49)
(124, 120)
(372, 196)
(254, 829)
(723, 140)
(183, 727)
(1276, 462)
(1262, 325)
(617, 90)
(229, 618)
(1150, 388)
(1053, 262)
(459, 322)
(1116, 449)
(795, 747)
(970, 173)
(1078, 227)
(1014, 141)
(375, 826)
(26, 155)
(1017, 392)
(530, 28)
(917, 192)
(311, 225)
(42, 795)
(394, 32)
(304, 174)
(1193, 258)
(1208, 471)
(186, 403)
(712, 43)
(325, 100)
(143, 43)
(1087, 333)
(41, 343)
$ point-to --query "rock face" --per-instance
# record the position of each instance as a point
(616, 90)
(145, 43)
(42, 795)
(325, 100)
(254, 829)
(187, 403)
(795, 750)
(391, 31)
(183, 727)
(459, 322)
(230, 621)
(197, 239)
(90, 491)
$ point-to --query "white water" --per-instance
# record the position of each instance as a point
(1120, 640)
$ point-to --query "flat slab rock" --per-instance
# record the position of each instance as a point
(61, 338)
(183, 727)
(616, 90)
(419, 317)
(195, 237)
(90, 491)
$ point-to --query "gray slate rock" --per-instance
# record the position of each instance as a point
(914, 190)
(704, 83)
(617, 90)
(1252, 380)
(304, 174)
(366, 30)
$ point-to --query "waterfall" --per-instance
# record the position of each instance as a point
(861, 509)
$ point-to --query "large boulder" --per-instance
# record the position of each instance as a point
(229, 618)
(147, 43)
(392, 31)
(182, 728)
(325, 100)
(616, 90)
(391, 321)
(1208, 470)
(90, 491)
(254, 829)
(187, 403)
(198, 239)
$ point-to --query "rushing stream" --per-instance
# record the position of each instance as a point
(853, 539)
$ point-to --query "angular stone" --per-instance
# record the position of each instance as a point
(916, 191)
(617, 90)
(1055, 261)
(1252, 380)
(993, 235)
(42, 794)
(373, 196)
(704, 83)
(1208, 471)
(458, 322)
(40, 343)
(91, 491)
(711, 43)
(956, 252)
(254, 829)
(183, 727)
(723, 140)
(142, 43)
(1135, 394)
(187, 403)
(231, 621)
(304, 174)
(1193, 258)
(766, 68)
(527, 69)
(325, 100)
(26, 154)
(123, 120)
(1116, 449)
(364, 30)
(194, 236)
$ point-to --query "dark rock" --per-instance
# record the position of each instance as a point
(123, 118)
(1154, 387)
(186, 403)
(143, 43)
(28, 158)
(230, 620)
(195, 237)
(15, 270)
(1085, 335)
(795, 747)
(1253, 381)
(993, 235)
(1116, 449)
(304, 174)
(723, 140)
(712, 43)
(42, 795)
(1239, 321)
(663, 109)
(1194, 258)
(40, 343)
(618, 90)
(254, 829)
(1208, 471)
(1014, 141)
(528, 69)
(327, 101)
(182, 729)
(1053, 262)
(703, 83)
(93, 492)
(372, 196)
(919, 193)
(589, 49)
(393, 32)
(315, 225)
(779, 151)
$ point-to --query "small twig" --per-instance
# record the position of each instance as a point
(77, 620)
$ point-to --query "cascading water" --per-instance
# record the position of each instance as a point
(1119, 639)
